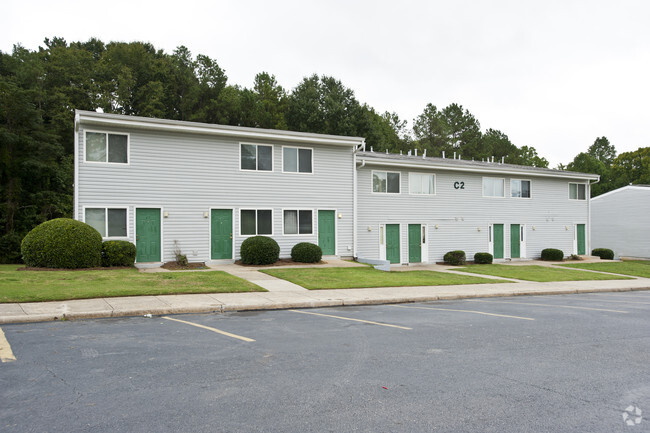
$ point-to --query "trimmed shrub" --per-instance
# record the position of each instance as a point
(259, 250)
(306, 252)
(118, 253)
(603, 253)
(455, 257)
(552, 254)
(483, 258)
(62, 243)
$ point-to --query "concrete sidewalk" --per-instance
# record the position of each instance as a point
(293, 297)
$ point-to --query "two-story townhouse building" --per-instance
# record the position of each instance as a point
(202, 189)
(414, 209)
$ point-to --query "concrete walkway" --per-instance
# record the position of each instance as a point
(283, 294)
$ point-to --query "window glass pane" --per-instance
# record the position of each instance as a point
(493, 187)
(515, 188)
(117, 222)
(499, 190)
(248, 157)
(379, 181)
(573, 191)
(290, 159)
(305, 222)
(305, 160)
(95, 146)
(525, 188)
(247, 222)
(96, 219)
(393, 182)
(431, 182)
(264, 223)
(581, 192)
(117, 148)
(290, 222)
(415, 183)
(264, 158)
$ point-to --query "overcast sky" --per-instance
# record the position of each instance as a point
(550, 74)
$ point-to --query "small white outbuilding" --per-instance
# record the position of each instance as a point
(620, 221)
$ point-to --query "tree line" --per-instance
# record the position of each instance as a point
(40, 89)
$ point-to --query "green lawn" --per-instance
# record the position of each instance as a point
(638, 268)
(33, 286)
(347, 278)
(537, 273)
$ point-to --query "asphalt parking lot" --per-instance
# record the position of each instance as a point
(569, 363)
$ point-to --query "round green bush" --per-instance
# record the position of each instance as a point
(259, 250)
(455, 257)
(603, 253)
(552, 254)
(483, 258)
(62, 243)
(306, 252)
(118, 253)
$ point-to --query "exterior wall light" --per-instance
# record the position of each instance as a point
(205, 214)
(165, 214)
(340, 215)
(436, 226)
(478, 228)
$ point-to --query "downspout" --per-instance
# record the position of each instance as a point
(589, 214)
(354, 198)
(75, 212)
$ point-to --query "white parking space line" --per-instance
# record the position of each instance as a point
(467, 311)
(612, 295)
(351, 319)
(218, 331)
(6, 355)
(548, 305)
(603, 300)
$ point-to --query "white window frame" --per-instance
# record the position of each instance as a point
(128, 147)
(298, 210)
(106, 208)
(435, 185)
(503, 179)
(530, 188)
(256, 170)
(256, 233)
(577, 191)
(372, 179)
(298, 160)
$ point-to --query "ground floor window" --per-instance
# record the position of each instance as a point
(298, 222)
(109, 222)
(256, 222)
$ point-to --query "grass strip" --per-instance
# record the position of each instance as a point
(537, 273)
(36, 286)
(638, 268)
(348, 278)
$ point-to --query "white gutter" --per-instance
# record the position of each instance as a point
(354, 198)
(75, 211)
(589, 215)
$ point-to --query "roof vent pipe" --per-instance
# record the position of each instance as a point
(424, 154)
(371, 149)
(503, 160)
(409, 154)
(416, 152)
(386, 151)
(400, 152)
(454, 155)
(459, 157)
(443, 154)
(492, 158)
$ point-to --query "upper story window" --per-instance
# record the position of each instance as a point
(493, 187)
(577, 191)
(256, 157)
(296, 160)
(256, 222)
(109, 222)
(298, 222)
(519, 188)
(385, 181)
(420, 183)
(107, 147)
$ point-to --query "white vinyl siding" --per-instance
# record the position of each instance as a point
(105, 147)
(420, 183)
(298, 222)
(577, 191)
(519, 188)
(256, 157)
(493, 187)
(256, 222)
(109, 222)
(297, 160)
(385, 182)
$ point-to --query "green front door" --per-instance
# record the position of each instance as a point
(497, 230)
(515, 251)
(221, 234)
(147, 235)
(580, 228)
(415, 244)
(327, 232)
(392, 243)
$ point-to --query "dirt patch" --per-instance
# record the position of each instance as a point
(282, 262)
(174, 266)
(111, 268)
